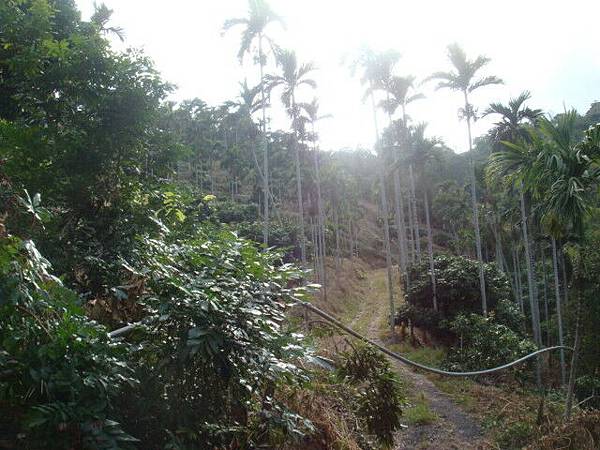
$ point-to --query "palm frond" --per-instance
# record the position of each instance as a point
(486, 81)
(230, 23)
(415, 97)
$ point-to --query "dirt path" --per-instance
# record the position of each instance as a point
(453, 428)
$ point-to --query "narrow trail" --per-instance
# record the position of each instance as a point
(453, 428)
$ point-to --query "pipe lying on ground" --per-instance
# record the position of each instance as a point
(127, 329)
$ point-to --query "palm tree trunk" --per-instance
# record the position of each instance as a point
(520, 281)
(321, 225)
(475, 212)
(545, 281)
(533, 304)
(411, 230)
(337, 240)
(563, 371)
(430, 250)
(315, 250)
(399, 210)
(398, 207)
(298, 183)
(323, 257)
(415, 213)
(516, 287)
(349, 238)
(356, 243)
(386, 230)
(564, 275)
(497, 246)
(574, 358)
(264, 144)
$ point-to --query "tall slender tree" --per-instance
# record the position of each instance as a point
(462, 79)
(571, 175)
(567, 176)
(423, 150)
(312, 111)
(376, 67)
(292, 77)
(513, 128)
(399, 93)
(260, 15)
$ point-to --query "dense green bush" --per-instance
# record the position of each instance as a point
(283, 234)
(59, 373)
(417, 316)
(458, 290)
(213, 349)
(484, 343)
(476, 342)
(215, 345)
(232, 212)
(379, 397)
(244, 219)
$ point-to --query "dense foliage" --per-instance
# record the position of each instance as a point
(380, 394)
(485, 342)
(60, 375)
(119, 206)
(214, 346)
(457, 282)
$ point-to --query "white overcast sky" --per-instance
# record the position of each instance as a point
(551, 48)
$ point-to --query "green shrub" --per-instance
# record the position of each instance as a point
(484, 343)
(283, 234)
(418, 316)
(59, 373)
(458, 289)
(233, 212)
(215, 345)
(516, 436)
(379, 395)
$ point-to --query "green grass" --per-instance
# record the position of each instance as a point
(457, 388)
(350, 308)
(419, 413)
(425, 355)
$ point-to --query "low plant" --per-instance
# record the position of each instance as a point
(379, 395)
(484, 343)
(419, 413)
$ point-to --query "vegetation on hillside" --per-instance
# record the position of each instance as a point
(203, 226)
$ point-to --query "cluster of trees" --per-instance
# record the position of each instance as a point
(533, 184)
(125, 221)
(107, 216)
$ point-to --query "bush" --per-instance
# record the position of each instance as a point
(213, 350)
(283, 234)
(418, 316)
(215, 346)
(59, 373)
(458, 289)
(484, 343)
(233, 212)
(380, 394)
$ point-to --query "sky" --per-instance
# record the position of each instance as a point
(551, 48)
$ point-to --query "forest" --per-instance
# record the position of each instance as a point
(171, 273)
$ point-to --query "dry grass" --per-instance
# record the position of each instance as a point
(515, 418)
(582, 432)
(324, 405)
